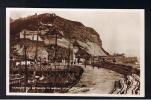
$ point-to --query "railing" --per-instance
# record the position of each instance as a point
(120, 68)
(56, 80)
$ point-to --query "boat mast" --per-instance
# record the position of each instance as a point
(36, 56)
(55, 58)
(36, 53)
(25, 58)
(55, 32)
(69, 54)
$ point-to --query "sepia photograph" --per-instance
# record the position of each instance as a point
(75, 52)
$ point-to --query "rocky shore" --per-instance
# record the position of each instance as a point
(105, 81)
(128, 85)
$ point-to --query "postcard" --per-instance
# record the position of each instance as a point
(75, 52)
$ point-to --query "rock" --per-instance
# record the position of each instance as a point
(87, 37)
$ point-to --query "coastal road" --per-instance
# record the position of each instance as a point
(97, 81)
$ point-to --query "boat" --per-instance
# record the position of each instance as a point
(36, 76)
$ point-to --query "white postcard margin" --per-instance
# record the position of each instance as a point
(142, 46)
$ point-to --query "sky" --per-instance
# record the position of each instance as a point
(119, 30)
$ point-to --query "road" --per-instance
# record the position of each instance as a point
(94, 80)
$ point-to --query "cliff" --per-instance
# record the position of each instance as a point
(87, 37)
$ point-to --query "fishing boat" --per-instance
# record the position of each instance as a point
(54, 75)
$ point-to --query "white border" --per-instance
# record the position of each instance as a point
(142, 59)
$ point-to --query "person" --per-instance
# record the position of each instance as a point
(85, 62)
(78, 60)
(114, 60)
(103, 60)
